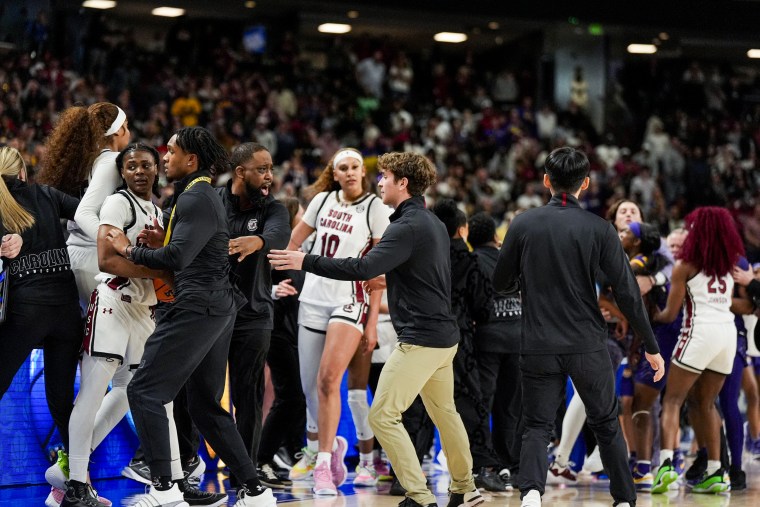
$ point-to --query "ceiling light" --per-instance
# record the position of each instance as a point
(664, 35)
(99, 4)
(352, 14)
(250, 4)
(642, 49)
(334, 28)
(493, 25)
(753, 53)
(168, 12)
(452, 37)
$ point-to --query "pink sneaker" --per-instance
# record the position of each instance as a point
(323, 482)
(338, 462)
(382, 469)
(55, 497)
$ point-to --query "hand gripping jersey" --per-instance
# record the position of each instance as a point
(131, 214)
(343, 229)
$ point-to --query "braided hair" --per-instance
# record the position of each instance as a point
(212, 156)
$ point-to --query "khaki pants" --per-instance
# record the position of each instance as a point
(427, 371)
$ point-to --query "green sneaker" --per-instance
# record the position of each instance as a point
(715, 483)
(666, 475)
(58, 474)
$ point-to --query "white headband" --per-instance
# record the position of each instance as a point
(121, 117)
(344, 154)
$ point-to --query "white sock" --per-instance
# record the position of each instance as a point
(323, 457)
(560, 460)
(666, 454)
(313, 446)
(712, 466)
(335, 445)
(366, 458)
(78, 467)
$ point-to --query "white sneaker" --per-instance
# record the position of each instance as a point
(56, 477)
(531, 499)
(55, 497)
(154, 498)
(593, 462)
(265, 499)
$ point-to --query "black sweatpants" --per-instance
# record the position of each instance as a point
(500, 373)
(544, 378)
(187, 433)
(468, 399)
(287, 417)
(58, 329)
(187, 348)
(247, 357)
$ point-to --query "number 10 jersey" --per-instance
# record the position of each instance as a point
(343, 229)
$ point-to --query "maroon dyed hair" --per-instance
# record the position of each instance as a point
(713, 244)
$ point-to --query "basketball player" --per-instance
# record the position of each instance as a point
(413, 253)
(348, 221)
(191, 343)
(705, 351)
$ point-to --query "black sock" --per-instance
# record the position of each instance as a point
(253, 486)
(163, 482)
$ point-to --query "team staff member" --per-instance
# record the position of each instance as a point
(191, 343)
(257, 224)
(554, 253)
(413, 253)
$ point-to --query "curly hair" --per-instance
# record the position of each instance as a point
(417, 169)
(713, 244)
(326, 179)
(15, 217)
(73, 145)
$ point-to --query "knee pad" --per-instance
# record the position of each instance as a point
(357, 401)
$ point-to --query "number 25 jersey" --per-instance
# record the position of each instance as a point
(343, 229)
(708, 300)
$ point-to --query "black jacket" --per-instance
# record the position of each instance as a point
(41, 272)
(197, 252)
(253, 276)
(471, 292)
(555, 252)
(501, 332)
(414, 255)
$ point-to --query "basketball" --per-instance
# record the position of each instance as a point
(164, 291)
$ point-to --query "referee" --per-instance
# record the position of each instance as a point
(554, 253)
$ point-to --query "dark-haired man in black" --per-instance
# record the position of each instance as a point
(554, 253)
(191, 343)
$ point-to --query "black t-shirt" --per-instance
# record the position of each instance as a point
(41, 272)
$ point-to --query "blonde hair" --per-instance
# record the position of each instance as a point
(326, 181)
(15, 218)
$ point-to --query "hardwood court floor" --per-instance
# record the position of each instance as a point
(586, 494)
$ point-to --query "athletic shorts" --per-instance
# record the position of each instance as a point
(755, 362)
(116, 329)
(386, 341)
(317, 317)
(667, 339)
(707, 347)
(84, 265)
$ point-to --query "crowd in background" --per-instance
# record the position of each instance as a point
(676, 134)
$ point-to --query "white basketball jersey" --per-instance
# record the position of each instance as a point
(343, 229)
(127, 211)
(708, 300)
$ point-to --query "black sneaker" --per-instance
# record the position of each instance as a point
(268, 476)
(194, 496)
(194, 470)
(79, 494)
(396, 488)
(738, 479)
(470, 499)
(284, 458)
(488, 479)
(408, 502)
(137, 471)
(698, 467)
(506, 477)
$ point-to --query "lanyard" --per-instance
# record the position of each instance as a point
(174, 208)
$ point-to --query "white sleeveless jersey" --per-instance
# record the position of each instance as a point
(117, 210)
(708, 300)
(343, 229)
